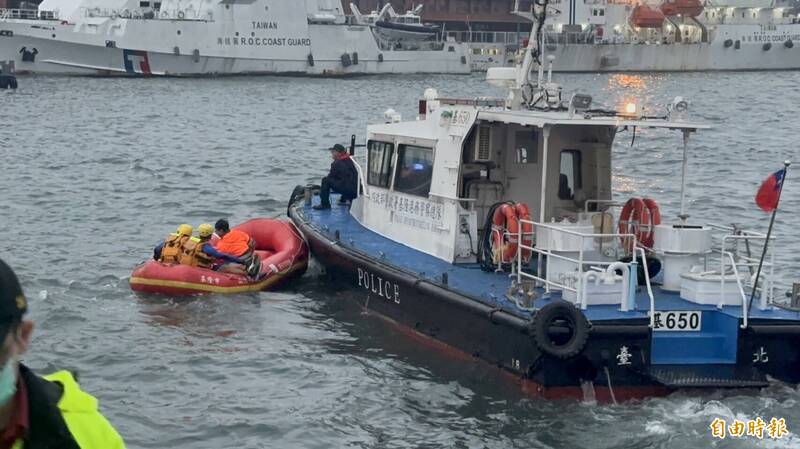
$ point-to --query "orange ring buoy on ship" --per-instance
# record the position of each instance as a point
(655, 220)
(639, 217)
(524, 213)
(504, 223)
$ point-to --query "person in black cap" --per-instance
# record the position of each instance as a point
(41, 412)
(342, 179)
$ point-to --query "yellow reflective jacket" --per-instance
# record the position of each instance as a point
(62, 415)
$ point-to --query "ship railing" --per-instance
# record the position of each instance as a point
(190, 14)
(386, 45)
(507, 38)
(586, 268)
(28, 14)
(740, 250)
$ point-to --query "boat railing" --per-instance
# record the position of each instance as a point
(736, 259)
(435, 45)
(189, 14)
(28, 14)
(504, 38)
(587, 269)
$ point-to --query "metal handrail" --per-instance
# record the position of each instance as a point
(580, 261)
(738, 282)
(27, 14)
(649, 288)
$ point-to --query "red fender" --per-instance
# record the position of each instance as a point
(504, 221)
(524, 213)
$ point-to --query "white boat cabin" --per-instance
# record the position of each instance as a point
(429, 184)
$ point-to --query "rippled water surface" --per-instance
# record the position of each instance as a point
(96, 171)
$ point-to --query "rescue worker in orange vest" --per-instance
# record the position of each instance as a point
(238, 244)
(198, 251)
(170, 249)
(41, 412)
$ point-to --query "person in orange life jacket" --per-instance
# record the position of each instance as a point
(342, 179)
(198, 251)
(170, 249)
(41, 412)
(238, 244)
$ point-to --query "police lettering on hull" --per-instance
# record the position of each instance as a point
(378, 285)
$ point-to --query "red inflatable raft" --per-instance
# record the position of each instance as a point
(283, 253)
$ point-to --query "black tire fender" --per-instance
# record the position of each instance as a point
(560, 311)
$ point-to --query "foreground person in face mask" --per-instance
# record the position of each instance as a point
(41, 412)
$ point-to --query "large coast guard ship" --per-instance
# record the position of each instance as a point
(211, 37)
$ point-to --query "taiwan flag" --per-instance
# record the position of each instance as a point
(770, 191)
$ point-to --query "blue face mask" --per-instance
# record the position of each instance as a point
(8, 382)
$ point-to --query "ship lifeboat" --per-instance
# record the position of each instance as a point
(645, 17)
(279, 245)
(686, 8)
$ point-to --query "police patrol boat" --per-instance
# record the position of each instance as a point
(488, 225)
(662, 35)
(198, 37)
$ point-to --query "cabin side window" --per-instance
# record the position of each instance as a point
(569, 178)
(414, 170)
(526, 147)
(380, 163)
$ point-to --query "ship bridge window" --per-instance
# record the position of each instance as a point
(414, 170)
(380, 163)
(569, 178)
(144, 4)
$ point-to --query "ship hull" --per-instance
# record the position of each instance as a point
(328, 50)
(732, 47)
(672, 58)
(445, 319)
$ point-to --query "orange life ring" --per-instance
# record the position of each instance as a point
(524, 213)
(655, 219)
(505, 227)
(639, 217)
(634, 215)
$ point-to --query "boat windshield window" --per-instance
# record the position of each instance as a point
(380, 163)
(570, 177)
(414, 170)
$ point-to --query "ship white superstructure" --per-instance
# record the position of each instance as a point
(210, 37)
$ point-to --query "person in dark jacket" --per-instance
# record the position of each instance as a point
(342, 179)
(41, 412)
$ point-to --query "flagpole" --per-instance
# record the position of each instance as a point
(786, 165)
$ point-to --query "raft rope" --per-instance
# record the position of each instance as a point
(610, 389)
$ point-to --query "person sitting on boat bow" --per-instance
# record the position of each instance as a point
(170, 249)
(237, 244)
(342, 179)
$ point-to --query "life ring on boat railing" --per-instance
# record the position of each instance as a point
(505, 226)
(639, 217)
(181, 15)
(559, 329)
(114, 15)
(524, 213)
(125, 14)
